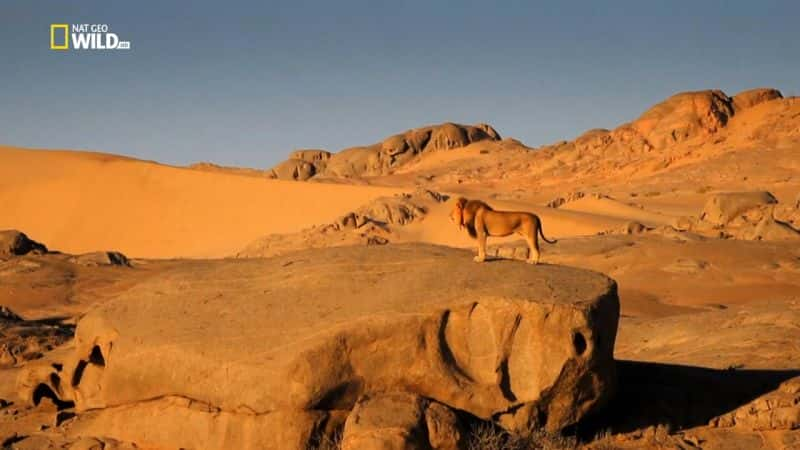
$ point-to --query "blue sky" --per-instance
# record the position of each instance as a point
(244, 83)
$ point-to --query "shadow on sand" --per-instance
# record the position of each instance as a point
(651, 394)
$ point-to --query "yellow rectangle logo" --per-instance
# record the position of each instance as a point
(53, 28)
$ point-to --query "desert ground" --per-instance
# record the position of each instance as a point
(331, 302)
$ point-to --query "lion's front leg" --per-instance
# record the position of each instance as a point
(481, 257)
(481, 246)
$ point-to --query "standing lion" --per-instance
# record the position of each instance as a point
(482, 221)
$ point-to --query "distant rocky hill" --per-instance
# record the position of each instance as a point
(683, 131)
(704, 138)
(682, 117)
(381, 158)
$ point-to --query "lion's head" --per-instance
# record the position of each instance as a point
(457, 214)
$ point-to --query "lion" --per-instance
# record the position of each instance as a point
(481, 221)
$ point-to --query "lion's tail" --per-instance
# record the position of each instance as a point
(541, 233)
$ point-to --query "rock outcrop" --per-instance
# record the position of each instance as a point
(383, 157)
(688, 115)
(571, 197)
(301, 165)
(24, 340)
(739, 215)
(110, 258)
(15, 243)
(683, 116)
(723, 207)
(370, 224)
(684, 129)
(752, 97)
(279, 352)
(777, 410)
(293, 169)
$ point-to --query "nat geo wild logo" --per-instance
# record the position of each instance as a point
(85, 36)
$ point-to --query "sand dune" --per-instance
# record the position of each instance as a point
(79, 202)
(612, 208)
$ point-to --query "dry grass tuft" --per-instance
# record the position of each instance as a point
(486, 436)
(328, 442)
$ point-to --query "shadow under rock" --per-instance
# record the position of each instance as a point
(652, 394)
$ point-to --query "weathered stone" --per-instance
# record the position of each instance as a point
(88, 443)
(370, 224)
(398, 421)
(394, 151)
(15, 243)
(101, 259)
(224, 353)
(310, 155)
(777, 410)
(293, 169)
(684, 116)
(723, 207)
(444, 430)
(769, 229)
(752, 97)
(394, 421)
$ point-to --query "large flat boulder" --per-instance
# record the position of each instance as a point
(275, 353)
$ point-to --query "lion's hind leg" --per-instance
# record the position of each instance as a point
(533, 243)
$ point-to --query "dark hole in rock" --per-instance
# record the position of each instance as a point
(541, 417)
(63, 416)
(96, 357)
(76, 376)
(13, 439)
(579, 342)
(43, 391)
(55, 380)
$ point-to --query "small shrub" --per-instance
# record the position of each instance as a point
(328, 442)
(486, 436)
